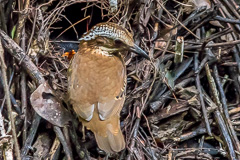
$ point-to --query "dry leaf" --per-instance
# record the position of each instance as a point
(216, 23)
(201, 3)
(160, 43)
(228, 37)
(48, 107)
(192, 5)
(165, 34)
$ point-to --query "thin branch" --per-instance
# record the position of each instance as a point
(9, 105)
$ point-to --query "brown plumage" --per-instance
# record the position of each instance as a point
(97, 81)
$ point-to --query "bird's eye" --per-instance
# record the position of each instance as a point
(118, 42)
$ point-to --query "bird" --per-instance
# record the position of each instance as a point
(97, 82)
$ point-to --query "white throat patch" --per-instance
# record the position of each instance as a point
(103, 51)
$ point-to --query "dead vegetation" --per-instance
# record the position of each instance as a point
(183, 104)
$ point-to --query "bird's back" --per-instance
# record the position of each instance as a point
(96, 86)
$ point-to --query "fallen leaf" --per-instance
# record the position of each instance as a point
(48, 107)
(192, 5)
(170, 79)
(216, 23)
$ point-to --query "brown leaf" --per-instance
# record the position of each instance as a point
(187, 93)
(216, 23)
(201, 3)
(192, 5)
(165, 34)
(48, 107)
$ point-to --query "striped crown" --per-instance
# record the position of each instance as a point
(109, 30)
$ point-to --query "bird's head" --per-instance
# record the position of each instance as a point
(111, 38)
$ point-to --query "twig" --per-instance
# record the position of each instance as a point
(17, 52)
(33, 71)
(198, 131)
(9, 105)
(24, 103)
(137, 122)
(178, 20)
(157, 104)
(236, 57)
(224, 131)
(231, 8)
(216, 35)
(72, 26)
(8, 9)
(61, 137)
(8, 151)
(226, 20)
(13, 100)
(203, 62)
(2, 18)
(21, 22)
(55, 150)
(198, 84)
(80, 151)
(213, 45)
(171, 32)
(225, 109)
(29, 140)
(32, 33)
(212, 86)
(23, 84)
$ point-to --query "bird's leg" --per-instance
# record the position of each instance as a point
(106, 158)
(83, 132)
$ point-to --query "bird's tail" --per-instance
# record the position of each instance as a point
(108, 133)
(113, 142)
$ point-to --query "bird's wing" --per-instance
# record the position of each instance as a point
(114, 103)
(111, 107)
(79, 88)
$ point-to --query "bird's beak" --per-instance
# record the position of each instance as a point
(139, 51)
